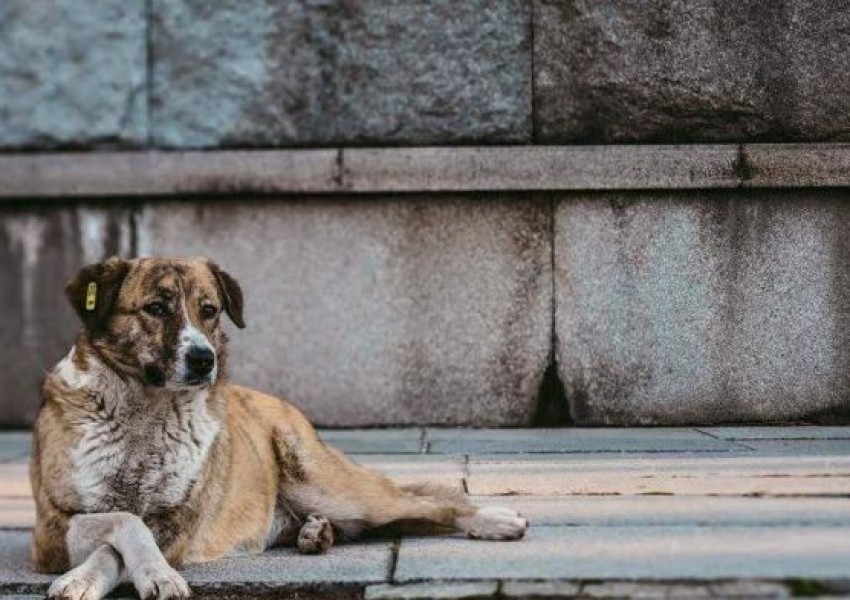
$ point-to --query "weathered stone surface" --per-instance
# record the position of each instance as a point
(363, 563)
(796, 165)
(370, 441)
(40, 250)
(526, 590)
(661, 475)
(642, 590)
(749, 589)
(266, 73)
(634, 552)
(660, 510)
(15, 446)
(16, 513)
(704, 308)
(72, 74)
(796, 447)
(572, 441)
(544, 168)
(160, 173)
(15, 564)
(409, 468)
(423, 311)
(711, 70)
(768, 432)
(433, 590)
(16, 480)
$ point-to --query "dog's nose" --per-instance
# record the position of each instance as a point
(200, 360)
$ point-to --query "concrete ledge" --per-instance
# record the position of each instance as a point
(540, 168)
(151, 173)
(796, 165)
(408, 170)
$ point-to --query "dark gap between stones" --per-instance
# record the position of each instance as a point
(553, 406)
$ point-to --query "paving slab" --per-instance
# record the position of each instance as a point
(15, 565)
(362, 562)
(15, 480)
(779, 433)
(540, 589)
(661, 474)
(799, 447)
(409, 468)
(15, 445)
(749, 589)
(596, 440)
(645, 591)
(375, 441)
(433, 591)
(634, 552)
(16, 513)
(656, 511)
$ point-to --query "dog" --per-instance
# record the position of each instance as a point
(146, 458)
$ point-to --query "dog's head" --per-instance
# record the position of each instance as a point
(158, 319)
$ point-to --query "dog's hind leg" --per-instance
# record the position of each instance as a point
(316, 535)
(432, 509)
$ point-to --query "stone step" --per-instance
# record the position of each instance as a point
(662, 474)
(663, 552)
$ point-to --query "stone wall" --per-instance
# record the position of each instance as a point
(198, 74)
(496, 276)
(659, 307)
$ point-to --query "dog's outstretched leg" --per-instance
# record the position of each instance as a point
(316, 535)
(432, 508)
(99, 543)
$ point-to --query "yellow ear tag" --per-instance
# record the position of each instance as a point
(91, 296)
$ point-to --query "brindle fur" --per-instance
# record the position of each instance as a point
(211, 470)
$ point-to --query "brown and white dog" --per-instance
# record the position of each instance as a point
(146, 457)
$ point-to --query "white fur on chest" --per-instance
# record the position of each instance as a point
(132, 455)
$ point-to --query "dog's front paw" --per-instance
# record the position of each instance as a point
(160, 581)
(494, 523)
(79, 584)
(316, 535)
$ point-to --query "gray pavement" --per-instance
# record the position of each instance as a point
(656, 513)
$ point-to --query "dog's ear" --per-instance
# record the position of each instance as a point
(231, 295)
(93, 291)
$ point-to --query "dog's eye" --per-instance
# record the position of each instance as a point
(156, 309)
(208, 311)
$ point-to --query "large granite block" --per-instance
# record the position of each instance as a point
(258, 72)
(378, 311)
(703, 309)
(72, 73)
(41, 248)
(691, 71)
